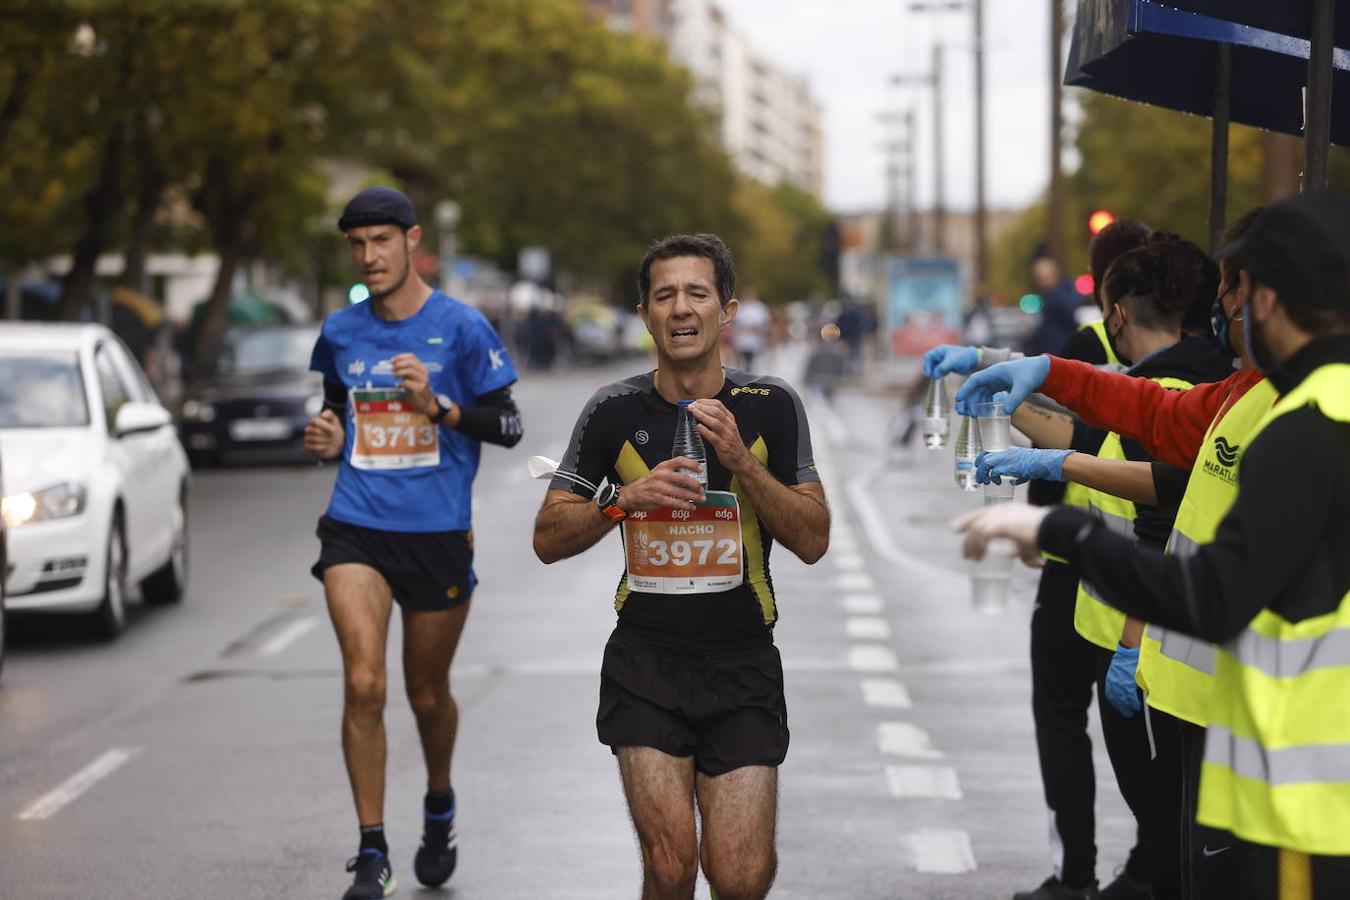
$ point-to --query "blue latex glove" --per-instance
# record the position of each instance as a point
(1021, 464)
(1121, 690)
(945, 359)
(1019, 377)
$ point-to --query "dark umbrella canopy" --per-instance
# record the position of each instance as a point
(1143, 51)
(1290, 17)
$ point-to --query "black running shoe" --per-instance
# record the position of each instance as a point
(435, 860)
(1126, 887)
(374, 876)
(1054, 889)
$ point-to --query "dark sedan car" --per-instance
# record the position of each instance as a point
(255, 405)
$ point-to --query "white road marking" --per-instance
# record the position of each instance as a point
(941, 852)
(854, 581)
(863, 604)
(885, 692)
(872, 658)
(68, 791)
(850, 563)
(879, 533)
(906, 739)
(867, 629)
(833, 426)
(288, 635)
(932, 782)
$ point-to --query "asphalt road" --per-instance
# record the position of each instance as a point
(198, 755)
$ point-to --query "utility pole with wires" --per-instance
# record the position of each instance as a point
(934, 81)
(976, 8)
(898, 148)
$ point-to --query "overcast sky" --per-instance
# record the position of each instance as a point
(850, 48)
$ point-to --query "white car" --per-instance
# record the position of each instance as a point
(95, 480)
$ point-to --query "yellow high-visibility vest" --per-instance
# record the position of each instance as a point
(1093, 619)
(1277, 752)
(1176, 670)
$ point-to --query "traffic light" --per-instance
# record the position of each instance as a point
(1083, 284)
(1030, 303)
(1099, 220)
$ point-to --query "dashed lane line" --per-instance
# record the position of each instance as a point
(867, 628)
(69, 791)
(940, 851)
(863, 604)
(288, 635)
(906, 739)
(854, 581)
(885, 692)
(923, 782)
(872, 658)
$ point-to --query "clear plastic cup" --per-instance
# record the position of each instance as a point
(995, 434)
(991, 577)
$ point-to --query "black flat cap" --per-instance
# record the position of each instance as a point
(1300, 246)
(378, 206)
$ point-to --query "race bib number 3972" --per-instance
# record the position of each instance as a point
(686, 551)
(389, 434)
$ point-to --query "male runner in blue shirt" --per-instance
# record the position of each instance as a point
(414, 382)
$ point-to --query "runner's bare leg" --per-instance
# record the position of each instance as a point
(740, 813)
(429, 643)
(660, 792)
(359, 603)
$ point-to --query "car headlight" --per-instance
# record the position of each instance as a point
(60, 501)
(314, 406)
(198, 411)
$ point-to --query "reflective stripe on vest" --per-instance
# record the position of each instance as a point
(1092, 618)
(1076, 494)
(1277, 755)
(1175, 670)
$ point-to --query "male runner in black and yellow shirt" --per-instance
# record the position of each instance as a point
(691, 687)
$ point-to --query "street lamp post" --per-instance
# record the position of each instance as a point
(933, 80)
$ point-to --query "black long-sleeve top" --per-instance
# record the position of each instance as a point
(1284, 545)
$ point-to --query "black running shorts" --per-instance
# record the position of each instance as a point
(725, 711)
(427, 571)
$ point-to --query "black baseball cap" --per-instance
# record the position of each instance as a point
(378, 206)
(1300, 246)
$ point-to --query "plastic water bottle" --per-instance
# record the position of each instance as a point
(689, 443)
(967, 451)
(937, 411)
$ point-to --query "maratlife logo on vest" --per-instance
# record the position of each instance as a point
(1227, 456)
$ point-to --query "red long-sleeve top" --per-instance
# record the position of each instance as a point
(1170, 425)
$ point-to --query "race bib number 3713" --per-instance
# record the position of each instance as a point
(686, 551)
(389, 434)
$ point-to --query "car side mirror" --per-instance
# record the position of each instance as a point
(138, 418)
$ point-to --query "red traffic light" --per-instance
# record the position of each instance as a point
(1083, 284)
(1099, 220)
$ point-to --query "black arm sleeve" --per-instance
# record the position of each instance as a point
(1152, 523)
(334, 396)
(493, 419)
(1169, 482)
(1289, 520)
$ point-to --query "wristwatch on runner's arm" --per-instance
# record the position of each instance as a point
(607, 498)
(443, 404)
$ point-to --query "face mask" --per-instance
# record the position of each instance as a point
(1256, 348)
(1218, 323)
(1113, 338)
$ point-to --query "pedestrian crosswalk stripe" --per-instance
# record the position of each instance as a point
(930, 782)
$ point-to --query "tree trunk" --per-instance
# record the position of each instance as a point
(17, 96)
(151, 186)
(100, 207)
(206, 347)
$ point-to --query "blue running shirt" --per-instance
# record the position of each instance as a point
(404, 479)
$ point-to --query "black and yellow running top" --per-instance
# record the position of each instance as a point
(626, 429)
